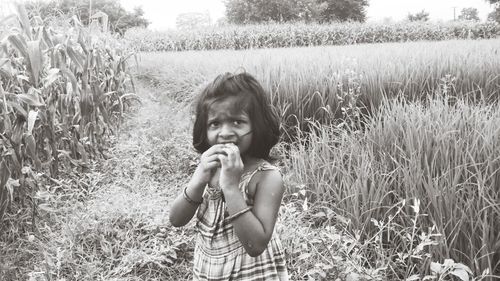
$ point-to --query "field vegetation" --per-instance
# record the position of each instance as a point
(415, 183)
(343, 81)
(62, 96)
(256, 36)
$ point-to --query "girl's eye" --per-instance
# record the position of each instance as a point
(213, 124)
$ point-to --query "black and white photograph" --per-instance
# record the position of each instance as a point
(250, 140)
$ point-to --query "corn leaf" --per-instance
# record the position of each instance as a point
(32, 115)
(30, 100)
(4, 191)
(31, 145)
(4, 174)
(46, 38)
(19, 43)
(17, 132)
(24, 20)
(97, 93)
(104, 113)
(18, 107)
(76, 58)
(6, 120)
(72, 79)
(81, 41)
(35, 59)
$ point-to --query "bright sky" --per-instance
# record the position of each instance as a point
(162, 13)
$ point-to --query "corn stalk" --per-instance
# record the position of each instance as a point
(62, 95)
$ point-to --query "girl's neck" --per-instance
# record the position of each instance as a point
(249, 160)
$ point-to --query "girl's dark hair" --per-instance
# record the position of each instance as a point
(252, 99)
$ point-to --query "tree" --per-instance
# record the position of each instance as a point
(188, 21)
(344, 10)
(470, 14)
(420, 16)
(495, 15)
(119, 19)
(255, 11)
(251, 11)
(128, 20)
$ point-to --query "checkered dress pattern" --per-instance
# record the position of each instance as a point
(219, 255)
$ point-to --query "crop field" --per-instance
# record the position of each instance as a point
(282, 35)
(322, 83)
(390, 154)
(417, 179)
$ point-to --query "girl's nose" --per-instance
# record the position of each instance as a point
(226, 131)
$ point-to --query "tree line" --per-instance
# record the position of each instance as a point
(118, 18)
(237, 12)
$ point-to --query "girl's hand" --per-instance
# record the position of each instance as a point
(209, 162)
(231, 168)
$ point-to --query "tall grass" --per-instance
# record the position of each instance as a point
(443, 154)
(419, 183)
(313, 83)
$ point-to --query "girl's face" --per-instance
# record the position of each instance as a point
(224, 125)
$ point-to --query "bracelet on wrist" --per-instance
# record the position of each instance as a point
(237, 214)
(189, 200)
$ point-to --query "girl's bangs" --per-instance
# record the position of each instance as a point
(237, 103)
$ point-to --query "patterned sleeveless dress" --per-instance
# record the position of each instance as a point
(219, 255)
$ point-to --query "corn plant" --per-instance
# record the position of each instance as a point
(239, 37)
(62, 95)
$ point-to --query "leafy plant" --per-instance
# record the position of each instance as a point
(62, 95)
(444, 153)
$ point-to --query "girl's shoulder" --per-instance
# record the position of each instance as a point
(264, 174)
(259, 166)
(266, 165)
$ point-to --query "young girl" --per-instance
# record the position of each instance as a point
(235, 193)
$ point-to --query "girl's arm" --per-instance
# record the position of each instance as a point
(182, 210)
(186, 203)
(255, 228)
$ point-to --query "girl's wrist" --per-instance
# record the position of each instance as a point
(196, 185)
(229, 189)
(190, 199)
(194, 191)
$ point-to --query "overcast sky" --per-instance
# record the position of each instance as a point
(162, 14)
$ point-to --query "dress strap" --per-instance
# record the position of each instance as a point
(263, 166)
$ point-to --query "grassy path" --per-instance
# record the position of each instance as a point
(119, 230)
